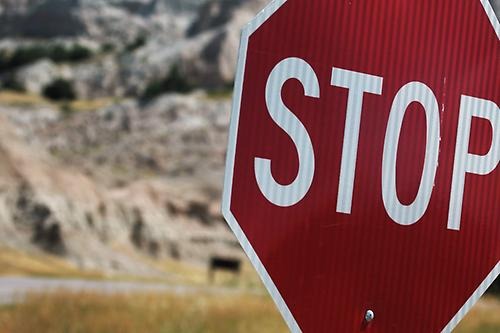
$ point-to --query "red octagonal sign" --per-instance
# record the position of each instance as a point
(362, 175)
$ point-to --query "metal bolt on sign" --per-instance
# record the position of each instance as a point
(369, 316)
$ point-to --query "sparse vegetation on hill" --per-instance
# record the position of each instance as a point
(25, 55)
(138, 42)
(60, 90)
(12, 84)
(174, 82)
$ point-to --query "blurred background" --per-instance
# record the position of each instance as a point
(113, 126)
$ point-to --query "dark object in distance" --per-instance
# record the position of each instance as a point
(224, 264)
(60, 90)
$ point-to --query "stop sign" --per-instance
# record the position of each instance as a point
(362, 173)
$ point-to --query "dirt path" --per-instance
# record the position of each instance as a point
(13, 289)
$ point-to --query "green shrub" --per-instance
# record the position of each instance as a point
(26, 55)
(223, 92)
(108, 47)
(177, 82)
(139, 42)
(74, 53)
(4, 60)
(11, 83)
(78, 53)
(174, 82)
(57, 53)
(59, 90)
(153, 90)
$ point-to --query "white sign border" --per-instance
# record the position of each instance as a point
(287, 315)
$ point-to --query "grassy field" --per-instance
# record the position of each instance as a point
(16, 263)
(37, 264)
(81, 313)
(238, 312)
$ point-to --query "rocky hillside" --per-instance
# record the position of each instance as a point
(131, 44)
(99, 186)
(138, 173)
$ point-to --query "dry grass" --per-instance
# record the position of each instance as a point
(483, 318)
(13, 262)
(37, 264)
(19, 99)
(194, 275)
(66, 312)
(79, 313)
(90, 105)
